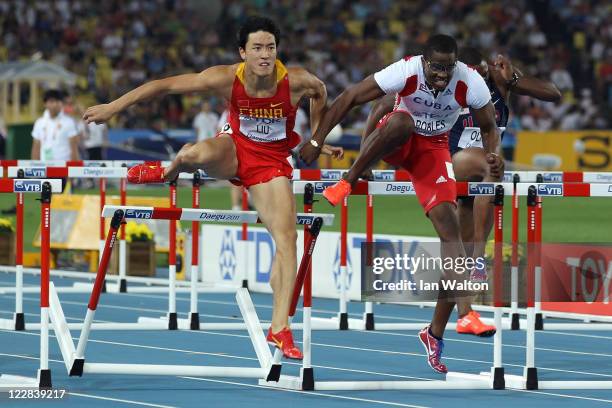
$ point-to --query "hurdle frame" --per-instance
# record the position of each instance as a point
(46, 188)
(495, 379)
(74, 357)
(510, 179)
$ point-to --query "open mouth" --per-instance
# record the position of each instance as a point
(264, 64)
(440, 83)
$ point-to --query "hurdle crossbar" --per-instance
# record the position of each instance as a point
(74, 357)
(509, 176)
(46, 189)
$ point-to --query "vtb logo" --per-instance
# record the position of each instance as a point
(27, 186)
(35, 172)
(322, 185)
(331, 174)
(481, 189)
(550, 189)
(139, 214)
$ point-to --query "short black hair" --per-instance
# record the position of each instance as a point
(470, 56)
(257, 23)
(53, 94)
(441, 43)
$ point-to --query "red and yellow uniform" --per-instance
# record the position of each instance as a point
(262, 130)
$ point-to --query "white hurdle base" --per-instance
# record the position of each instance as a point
(115, 278)
(574, 385)
(175, 370)
(114, 288)
(453, 381)
(76, 365)
(8, 382)
(184, 324)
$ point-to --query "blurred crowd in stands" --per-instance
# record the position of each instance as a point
(113, 46)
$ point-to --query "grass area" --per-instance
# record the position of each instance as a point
(565, 219)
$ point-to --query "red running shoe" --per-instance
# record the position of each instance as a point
(434, 348)
(144, 173)
(283, 340)
(336, 193)
(471, 324)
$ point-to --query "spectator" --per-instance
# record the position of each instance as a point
(55, 133)
(206, 122)
(339, 41)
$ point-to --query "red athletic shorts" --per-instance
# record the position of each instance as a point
(260, 162)
(429, 163)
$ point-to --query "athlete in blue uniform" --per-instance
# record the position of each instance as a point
(469, 158)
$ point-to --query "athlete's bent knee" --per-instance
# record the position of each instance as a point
(398, 129)
(470, 165)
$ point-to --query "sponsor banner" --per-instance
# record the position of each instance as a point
(577, 278)
(588, 150)
(226, 258)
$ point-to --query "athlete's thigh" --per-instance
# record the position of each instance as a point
(470, 164)
(218, 156)
(430, 167)
(275, 205)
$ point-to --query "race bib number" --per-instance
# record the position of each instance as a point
(470, 137)
(263, 129)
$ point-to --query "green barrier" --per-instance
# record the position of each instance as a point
(19, 141)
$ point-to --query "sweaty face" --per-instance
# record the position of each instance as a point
(259, 53)
(439, 69)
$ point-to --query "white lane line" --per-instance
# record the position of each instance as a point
(336, 346)
(487, 343)
(146, 404)
(334, 368)
(330, 395)
(319, 394)
(565, 395)
(592, 336)
(404, 353)
(325, 311)
(161, 311)
(224, 355)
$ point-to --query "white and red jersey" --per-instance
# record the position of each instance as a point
(433, 114)
(264, 120)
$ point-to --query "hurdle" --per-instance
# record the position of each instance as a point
(89, 169)
(74, 357)
(46, 188)
(370, 189)
(534, 238)
(453, 380)
(510, 180)
(199, 215)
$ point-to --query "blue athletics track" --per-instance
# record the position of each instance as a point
(346, 355)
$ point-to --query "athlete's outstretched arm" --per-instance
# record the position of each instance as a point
(365, 91)
(208, 80)
(485, 116)
(525, 85)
